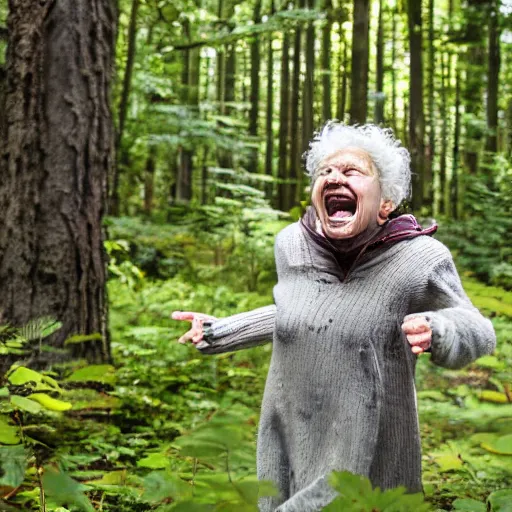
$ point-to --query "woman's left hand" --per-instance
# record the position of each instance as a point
(418, 332)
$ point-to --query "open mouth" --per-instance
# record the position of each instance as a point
(340, 207)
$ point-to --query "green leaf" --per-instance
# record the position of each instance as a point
(8, 433)
(104, 373)
(154, 461)
(501, 501)
(52, 404)
(64, 490)
(82, 338)
(469, 505)
(493, 396)
(13, 463)
(22, 375)
(448, 462)
(501, 445)
(25, 404)
(4, 392)
(161, 485)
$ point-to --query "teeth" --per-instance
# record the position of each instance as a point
(341, 220)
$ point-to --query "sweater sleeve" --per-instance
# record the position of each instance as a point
(240, 331)
(460, 334)
(312, 498)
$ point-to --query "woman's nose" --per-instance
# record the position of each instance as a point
(336, 176)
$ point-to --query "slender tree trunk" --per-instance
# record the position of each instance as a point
(269, 131)
(149, 180)
(493, 72)
(190, 98)
(283, 196)
(454, 183)
(473, 92)
(309, 82)
(255, 89)
(359, 75)
(342, 76)
(394, 123)
(123, 107)
(416, 118)
(326, 63)
(428, 191)
(379, 97)
(445, 82)
(295, 132)
(56, 153)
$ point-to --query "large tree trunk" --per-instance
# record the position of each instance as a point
(445, 83)
(57, 151)
(394, 123)
(416, 119)
(359, 76)
(123, 108)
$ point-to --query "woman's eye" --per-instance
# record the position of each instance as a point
(352, 172)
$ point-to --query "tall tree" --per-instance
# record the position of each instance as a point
(342, 75)
(379, 97)
(454, 182)
(255, 88)
(326, 63)
(57, 151)
(428, 191)
(493, 71)
(416, 116)
(394, 123)
(309, 82)
(359, 75)
(269, 131)
(295, 132)
(283, 189)
(123, 107)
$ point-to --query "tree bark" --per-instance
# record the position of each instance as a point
(269, 132)
(445, 82)
(326, 63)
(283, 196)
(295, 131)
(416, 117)
(342, 76)
(255, 89)
(309, 77)
(57, 151)
(493, 71)
(359, 75)
(428, 191)
(394, 123)
(379, 97)
(454, 182)
(149, 180)
(123, 107)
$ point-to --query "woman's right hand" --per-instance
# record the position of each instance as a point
(196, 332)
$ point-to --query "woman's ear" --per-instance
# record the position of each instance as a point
(386, 207)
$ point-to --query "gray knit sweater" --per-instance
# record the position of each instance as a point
(340, 391)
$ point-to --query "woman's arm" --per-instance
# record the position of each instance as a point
(459, 334)
(215, 336)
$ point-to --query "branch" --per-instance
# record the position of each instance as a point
(4, 33)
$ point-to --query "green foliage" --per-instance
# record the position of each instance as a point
(356, 494)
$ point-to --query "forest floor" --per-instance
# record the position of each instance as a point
(167, 428)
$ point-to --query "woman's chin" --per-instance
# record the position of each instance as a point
(340, 227)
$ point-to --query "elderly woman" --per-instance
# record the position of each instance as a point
(358, 297)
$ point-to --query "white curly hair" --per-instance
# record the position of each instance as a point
(389, 156)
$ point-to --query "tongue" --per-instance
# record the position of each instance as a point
(341, 213)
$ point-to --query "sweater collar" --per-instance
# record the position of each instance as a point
(400, 228)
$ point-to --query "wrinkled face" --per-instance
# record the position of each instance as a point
(346, 194)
